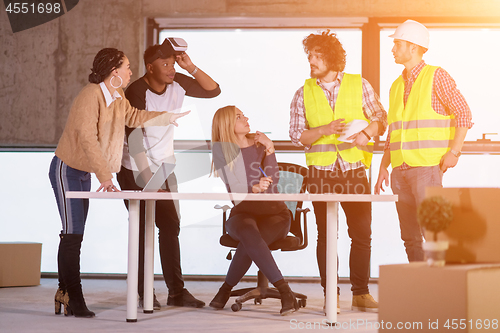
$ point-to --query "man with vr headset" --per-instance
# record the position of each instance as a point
(161, 88)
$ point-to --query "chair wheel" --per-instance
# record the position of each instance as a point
(257, 301)
(236, 307)
(302, 303)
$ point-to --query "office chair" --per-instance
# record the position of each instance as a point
(293, 179)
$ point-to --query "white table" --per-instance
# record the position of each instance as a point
(150, 197)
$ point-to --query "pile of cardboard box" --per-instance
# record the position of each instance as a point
(464, 294)
(20, 264)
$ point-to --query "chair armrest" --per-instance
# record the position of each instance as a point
(224, 208)
(303, 212)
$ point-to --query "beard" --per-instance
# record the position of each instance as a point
(317, 73)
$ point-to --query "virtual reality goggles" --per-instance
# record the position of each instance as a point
(178, 44)
(170, 46)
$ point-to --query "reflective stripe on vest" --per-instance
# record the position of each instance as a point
(419, 135)
(320, 148)
(323, 152)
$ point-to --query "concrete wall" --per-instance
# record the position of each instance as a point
(336, 8)
(42, 69)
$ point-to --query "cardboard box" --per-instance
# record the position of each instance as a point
(419, 298)
(20, 264)
(474, 232)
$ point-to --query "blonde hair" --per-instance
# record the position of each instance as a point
(223, 133)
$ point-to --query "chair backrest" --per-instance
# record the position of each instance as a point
(293, 179)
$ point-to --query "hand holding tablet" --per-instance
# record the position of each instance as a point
(351, 128)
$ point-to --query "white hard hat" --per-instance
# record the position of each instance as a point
(413, 32)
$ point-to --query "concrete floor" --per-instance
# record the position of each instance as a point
(31, 309)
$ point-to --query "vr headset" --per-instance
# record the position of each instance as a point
(178, 44)
(170, 46)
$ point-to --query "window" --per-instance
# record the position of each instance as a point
(470, 57)
(258, 70)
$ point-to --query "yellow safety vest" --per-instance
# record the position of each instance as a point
(419, 135)
(349, 105)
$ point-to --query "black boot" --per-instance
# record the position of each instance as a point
(288, 301)
(61, 297)
(222, 297)
(69, 266)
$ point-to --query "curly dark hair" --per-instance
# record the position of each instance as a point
(329, 46)
(105, 61)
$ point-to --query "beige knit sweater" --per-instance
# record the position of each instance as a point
(92, 140)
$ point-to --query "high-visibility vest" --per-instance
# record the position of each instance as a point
(349, 105)
(419, 135)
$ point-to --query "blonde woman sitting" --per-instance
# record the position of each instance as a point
(243, 160)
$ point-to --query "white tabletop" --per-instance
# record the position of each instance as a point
(138, 195)
(134, 197)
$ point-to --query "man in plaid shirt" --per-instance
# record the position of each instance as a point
(319, 113)
(428, 121)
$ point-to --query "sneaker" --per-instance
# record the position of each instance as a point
(156, 304)
(185, 299)
(364, 303)
(338, 305)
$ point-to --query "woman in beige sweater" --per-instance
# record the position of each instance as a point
(92, 142)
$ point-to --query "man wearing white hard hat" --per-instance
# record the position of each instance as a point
(428, 120)
(144, 151)
(333, 116)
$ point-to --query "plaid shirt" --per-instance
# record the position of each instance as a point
(372, 109)
(446, 99)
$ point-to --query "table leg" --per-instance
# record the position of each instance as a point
(149, 256)
(331, 261)
(133, 259)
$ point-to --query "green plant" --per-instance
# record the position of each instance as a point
(435, 214)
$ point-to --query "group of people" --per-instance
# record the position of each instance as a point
(129, 133)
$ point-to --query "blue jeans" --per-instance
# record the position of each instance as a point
(73, 212)
(410, 186)
(254, 234)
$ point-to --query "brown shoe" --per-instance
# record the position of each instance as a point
(364, 303)
(338, 305)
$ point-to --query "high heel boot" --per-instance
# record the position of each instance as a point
(61, 298)
(222, 296)
(288, 301)
(69, 249)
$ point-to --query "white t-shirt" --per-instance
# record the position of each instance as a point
(158, 141)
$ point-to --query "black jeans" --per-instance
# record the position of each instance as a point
(359, 218)
(168, 223)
